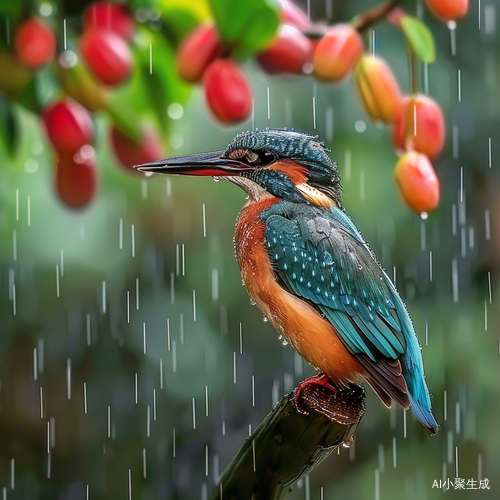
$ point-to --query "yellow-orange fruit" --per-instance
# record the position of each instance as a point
(287, 53)
(337, 53)
(448, 10)
(419, 126)
(378, 89)
(417, 182)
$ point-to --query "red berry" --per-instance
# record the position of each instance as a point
(417, 182)
(75, 177)
(448, 10)
(197, 51)
(288, 52)
(34, 43)
(337, 53)
(377, 88)
(131, 152)
(107, 55)
(110, 16)
(68, 125)
(419, 126)
(294, 15)
(227, 91)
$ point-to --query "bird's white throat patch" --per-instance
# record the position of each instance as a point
(315, 196)
(255, 191)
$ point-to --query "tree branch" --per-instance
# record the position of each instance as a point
(289, 443)
(363, 21)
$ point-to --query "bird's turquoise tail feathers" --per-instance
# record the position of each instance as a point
(420, 402)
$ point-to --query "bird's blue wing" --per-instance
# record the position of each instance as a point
(321, 257)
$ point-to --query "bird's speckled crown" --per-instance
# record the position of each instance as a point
(299, 146)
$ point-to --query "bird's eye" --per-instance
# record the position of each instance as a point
(266, 157)
(260, 157)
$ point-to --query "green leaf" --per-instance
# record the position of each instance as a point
(198, 9)
(10, 13)
(30, 98)
(124, 118)
(178, 23)
(247, 26)
(144, 4)
(160, 82)
(419, 38)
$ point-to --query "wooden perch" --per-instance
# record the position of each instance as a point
(288, 444)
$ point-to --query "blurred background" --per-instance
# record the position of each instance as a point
(132, 364)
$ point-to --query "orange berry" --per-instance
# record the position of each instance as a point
(287, 53)
(337, 53)
(378, 89)
(197, 51)
(227, 91)
(419, 126)
(417, 182)
(34, 43)
(448, 10)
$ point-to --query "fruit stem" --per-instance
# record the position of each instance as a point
(361, 22)
(366, 19)
(412, 71)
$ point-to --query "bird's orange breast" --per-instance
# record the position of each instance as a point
(313, 337)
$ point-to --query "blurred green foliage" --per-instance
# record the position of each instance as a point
(248, 26)
(137, 266)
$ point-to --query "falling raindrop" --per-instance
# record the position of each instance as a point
(381, 457)
(194, 413)
(452, 25)
(64, 35)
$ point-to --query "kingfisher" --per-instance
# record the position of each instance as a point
(308, 268)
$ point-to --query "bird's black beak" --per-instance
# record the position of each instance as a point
(213, 163)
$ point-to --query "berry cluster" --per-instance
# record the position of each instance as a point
(108, 27)
(332, 54)
(101, 61)
(104, 54)
(205, 58)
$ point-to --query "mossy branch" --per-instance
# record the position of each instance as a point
(289, 443)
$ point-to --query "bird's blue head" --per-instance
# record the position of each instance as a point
(291, 165)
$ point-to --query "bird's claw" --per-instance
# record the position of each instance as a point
(321, 379)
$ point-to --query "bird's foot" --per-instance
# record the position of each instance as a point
(321, 379)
